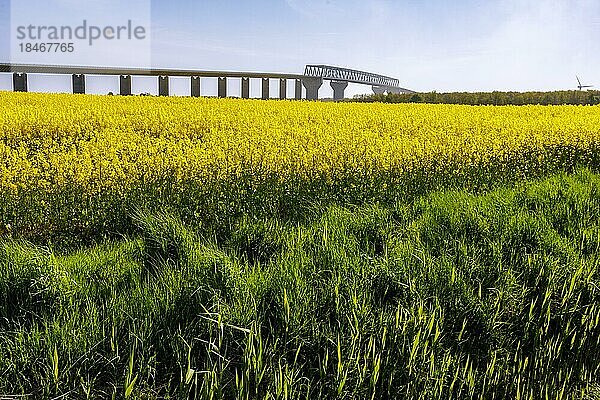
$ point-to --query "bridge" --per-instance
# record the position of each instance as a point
(340, 77)
(311, 80)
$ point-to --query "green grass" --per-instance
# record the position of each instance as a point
(453, 295)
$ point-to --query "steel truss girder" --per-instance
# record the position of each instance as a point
(350, 75)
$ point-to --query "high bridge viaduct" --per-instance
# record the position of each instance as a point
(311, 80)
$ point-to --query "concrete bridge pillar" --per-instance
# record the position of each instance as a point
(163, 85)
(20, 82)
(312, 86)
(338, 89)
(265, 89)
(195, 89)
(222, 86)
(245, 88)
(379, 89)
(125, 85)
(78, 83)
(282, 89)
(298, 91)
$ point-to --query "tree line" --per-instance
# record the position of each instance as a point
(575, 97)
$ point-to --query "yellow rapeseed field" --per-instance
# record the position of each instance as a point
(62, 151)
(48, 141)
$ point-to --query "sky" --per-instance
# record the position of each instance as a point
(442, 45)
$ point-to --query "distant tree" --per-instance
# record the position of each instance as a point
(488, 98)
(415, 98)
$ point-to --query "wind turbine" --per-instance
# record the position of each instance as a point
(580, 86)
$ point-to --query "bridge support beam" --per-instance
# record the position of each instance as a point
(195, 86)
(265, 89)
(245, 88)
(125, 85)
(282, 89)
(222, 87)
(163, 85)
(338, 89)
(20, 82)
(312, 86)
(379, 89)
(78, 84)
(298, 91)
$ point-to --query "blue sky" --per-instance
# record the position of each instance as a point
(429, 45)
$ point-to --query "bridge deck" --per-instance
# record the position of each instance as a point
(312, 78)
(61, 69)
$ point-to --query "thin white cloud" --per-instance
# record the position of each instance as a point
(315, 8)
(173, 44)
(340, 10)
